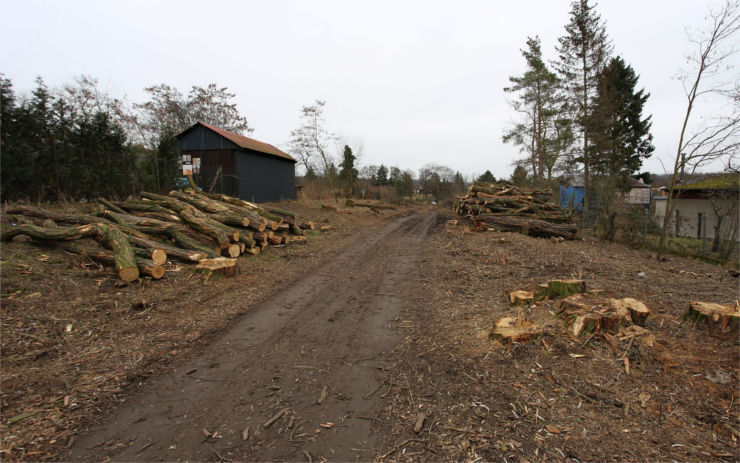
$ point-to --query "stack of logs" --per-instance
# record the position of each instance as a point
(504, 207)
(138, 236)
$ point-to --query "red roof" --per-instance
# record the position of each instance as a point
(248, 143)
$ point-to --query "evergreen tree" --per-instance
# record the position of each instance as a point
(583, 52)
(487, 177)
(381, 175)
(519, 177)
(395, 176)
(459, 181)
(405, 187)
(348, 173)
(539, 99)
(620, 136)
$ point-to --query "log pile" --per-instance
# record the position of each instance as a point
(137, 236)
(504, 207)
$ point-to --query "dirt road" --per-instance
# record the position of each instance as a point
(327, 332)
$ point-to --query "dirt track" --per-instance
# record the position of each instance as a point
(329, 329)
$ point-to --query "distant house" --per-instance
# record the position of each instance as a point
(571, 195)
(710, 205)
(237, 165)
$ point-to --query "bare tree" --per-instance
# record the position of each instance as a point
(310, 142)
(718, 136)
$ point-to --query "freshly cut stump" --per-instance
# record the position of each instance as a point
(558, 289)
(512, 329)
(220, 265)
(589, 313)
(722, 320)
(631, 309)
(521, 298)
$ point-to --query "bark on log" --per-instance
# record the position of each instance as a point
(177, 253)
(110, 206)
(208, 227)
(146, 266)
(529, 226)
(158, 256)
(57, 217)
(110, 235)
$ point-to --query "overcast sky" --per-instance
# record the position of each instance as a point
(419, 81)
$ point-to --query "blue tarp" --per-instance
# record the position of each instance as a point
(571, 197)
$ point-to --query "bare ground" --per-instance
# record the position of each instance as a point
(393, 319)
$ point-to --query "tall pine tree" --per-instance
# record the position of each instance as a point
(583, 53)
(538, 99)
(620, 136)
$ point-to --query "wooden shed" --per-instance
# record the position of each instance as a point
(237, 165)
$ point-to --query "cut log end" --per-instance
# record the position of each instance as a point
(159, 256)
(128, 273)
(233, 250)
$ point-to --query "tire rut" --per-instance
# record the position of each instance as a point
(331, 329)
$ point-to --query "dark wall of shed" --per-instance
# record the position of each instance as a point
(265, 178)
(227, 180)
(203, 139)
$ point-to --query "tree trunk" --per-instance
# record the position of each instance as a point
(529, 226)
(110, 235)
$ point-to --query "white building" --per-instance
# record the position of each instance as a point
(708, 206)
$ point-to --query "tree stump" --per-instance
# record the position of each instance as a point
(631, 309)
(722, 320)
(513, 329)
(560, 289)
(220, 265)
(521, 298)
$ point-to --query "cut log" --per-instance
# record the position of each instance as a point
(207, 226)
(521, 298)
(278, 211)
(253, 251)
(180, 254)
(308, 225)
(511, 329)
(352, 203)
(110, 235)
(158, 255)
(296, 230)
(110, 206)
(722, 320)
(146, 266)
(275, 240)
(220, 265)
(527, 225)
(631, 309)
(233, 250)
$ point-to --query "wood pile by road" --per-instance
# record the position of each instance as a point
(505, 207)
(138, 236)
